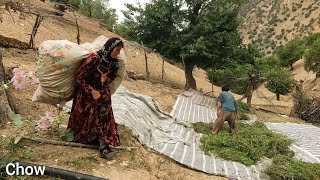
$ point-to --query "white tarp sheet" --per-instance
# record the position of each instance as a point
(170, 136)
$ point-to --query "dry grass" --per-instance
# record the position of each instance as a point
(269, 117)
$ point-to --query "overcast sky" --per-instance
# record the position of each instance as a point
(119, 5)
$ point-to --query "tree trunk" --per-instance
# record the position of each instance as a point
(248, 94)
(297, 100)
(278, 97)
(249, 98)
(5, 108)
(190, 81)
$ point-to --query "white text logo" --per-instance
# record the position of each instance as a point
(17, 170)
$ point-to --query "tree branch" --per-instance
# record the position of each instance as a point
(72, 144)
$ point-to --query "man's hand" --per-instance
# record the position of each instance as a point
(218, 113)
(95, 94)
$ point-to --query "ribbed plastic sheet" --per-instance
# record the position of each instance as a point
(171, 135)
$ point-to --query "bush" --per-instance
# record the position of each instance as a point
(247, 146)
(307, 108)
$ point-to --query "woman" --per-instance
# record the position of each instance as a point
(91, 116)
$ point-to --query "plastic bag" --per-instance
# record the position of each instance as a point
(57, 64)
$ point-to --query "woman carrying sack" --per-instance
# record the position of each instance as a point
(91, 116)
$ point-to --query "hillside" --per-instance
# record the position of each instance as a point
(274, 22)
(270, 24)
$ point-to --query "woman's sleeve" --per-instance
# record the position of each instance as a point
(84, 71)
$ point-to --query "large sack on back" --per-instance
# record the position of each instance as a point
(57, 64)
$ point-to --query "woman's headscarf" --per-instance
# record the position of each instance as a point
(105, 52)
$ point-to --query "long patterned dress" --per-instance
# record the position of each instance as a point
(93, 120)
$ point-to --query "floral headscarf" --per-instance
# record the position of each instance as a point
(105, 52)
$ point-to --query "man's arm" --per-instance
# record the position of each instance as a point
(219, 105)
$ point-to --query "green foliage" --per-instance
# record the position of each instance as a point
(201, 127)
(204, 34)
(290, 53)
(312, 60)
(98, 9)
(280, 81)
(16, 118)
(284, 168)
(243, 107)
(267, 63)
(66, 135)
(3, 86)
(14, 147)
(243, 116)
(248, 145)
(238, 83)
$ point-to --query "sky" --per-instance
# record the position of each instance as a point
(119, 5)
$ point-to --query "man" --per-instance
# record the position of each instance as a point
(226, 111)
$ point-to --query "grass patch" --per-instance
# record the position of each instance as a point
(203, 128)
(247, 146)
(243, 107)
(287, 168)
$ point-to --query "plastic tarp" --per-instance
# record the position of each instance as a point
(171, 136)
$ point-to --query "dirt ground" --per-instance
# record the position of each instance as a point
(141, 163)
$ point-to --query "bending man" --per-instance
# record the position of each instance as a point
(226, 111)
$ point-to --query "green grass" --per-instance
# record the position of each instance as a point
(284, 168)
(243, 107)
(247, 146)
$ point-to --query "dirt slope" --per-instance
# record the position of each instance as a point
(274, 22)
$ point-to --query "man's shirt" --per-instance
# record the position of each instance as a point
(227, 100)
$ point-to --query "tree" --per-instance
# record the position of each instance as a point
(267, 63)
(291, 53)
(203, 33)
(280, 82)
(236, 76)
(312, 61)
(98, 9)
(309, 40)
(76, 4)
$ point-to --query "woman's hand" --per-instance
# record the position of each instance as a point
(95, 94)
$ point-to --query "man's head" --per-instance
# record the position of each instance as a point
(225, 87)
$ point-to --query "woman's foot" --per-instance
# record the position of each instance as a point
(107, 153)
